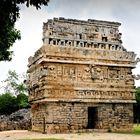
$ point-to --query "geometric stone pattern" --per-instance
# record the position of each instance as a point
(81, 78)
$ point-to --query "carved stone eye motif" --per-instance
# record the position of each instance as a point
(51, 67)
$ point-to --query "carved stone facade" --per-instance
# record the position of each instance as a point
(81, 78)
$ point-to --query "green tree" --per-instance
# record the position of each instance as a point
(15, 93)
(9, 12)
(137, 106)
(14, 83)
(8, 103)
(22, 100)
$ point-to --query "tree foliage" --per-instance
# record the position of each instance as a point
(15, 93)
(22, 100)
(138, 95)
(9, 12)
(8, 103)
(137, 106)
(14, 83)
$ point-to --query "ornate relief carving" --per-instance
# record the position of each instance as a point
(90, 75)
(95, 72)
(85, 94)
(114, 73)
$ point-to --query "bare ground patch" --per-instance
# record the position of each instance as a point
(23, 134)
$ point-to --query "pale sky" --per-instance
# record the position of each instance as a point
(127, 12)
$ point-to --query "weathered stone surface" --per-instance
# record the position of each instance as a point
(20, 120)
(65, 117)
(81, 78)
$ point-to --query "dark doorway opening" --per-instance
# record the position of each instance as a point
(80, 36)
(104, 39)
(92, 117)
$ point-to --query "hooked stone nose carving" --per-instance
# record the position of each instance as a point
(137, 60)
(136, 77)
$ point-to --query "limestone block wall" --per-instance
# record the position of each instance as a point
(116, 117)
(59, 117)
(64, 117)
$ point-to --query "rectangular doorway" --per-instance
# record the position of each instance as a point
(92, 117)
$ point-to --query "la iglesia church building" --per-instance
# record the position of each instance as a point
(81, 78)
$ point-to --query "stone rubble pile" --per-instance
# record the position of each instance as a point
(20, 120)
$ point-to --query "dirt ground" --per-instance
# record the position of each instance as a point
(20, 134)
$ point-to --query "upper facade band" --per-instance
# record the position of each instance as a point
(101, 40)
(91, 33)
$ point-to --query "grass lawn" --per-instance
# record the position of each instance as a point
(43, 139)
(136, 130)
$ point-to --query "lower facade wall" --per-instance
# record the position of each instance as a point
(64, 117)
(116, 117)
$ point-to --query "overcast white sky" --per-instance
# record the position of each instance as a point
(31, 21)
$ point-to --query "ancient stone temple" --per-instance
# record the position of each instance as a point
(81, 78)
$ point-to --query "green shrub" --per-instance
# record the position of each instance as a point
(22, 100)
(137, 106)
(8, 104)
(15, 93)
